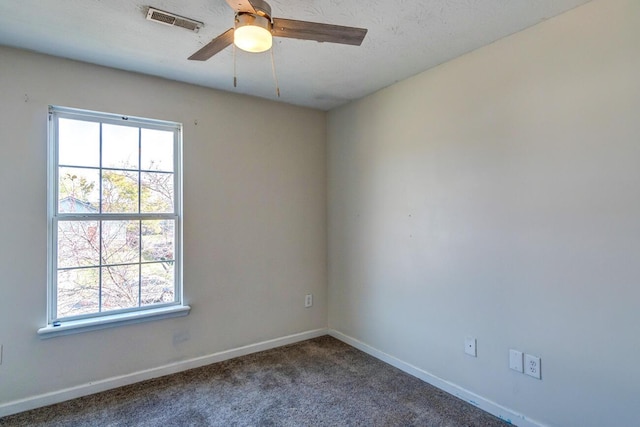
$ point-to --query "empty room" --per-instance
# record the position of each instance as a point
(320, 213)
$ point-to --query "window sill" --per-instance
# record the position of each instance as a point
(84, 325)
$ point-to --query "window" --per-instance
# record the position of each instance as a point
(114, 220)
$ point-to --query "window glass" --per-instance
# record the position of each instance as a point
(157, 150)
(79, 143)
(120, 147)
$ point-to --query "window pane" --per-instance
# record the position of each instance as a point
(78, 143)
(120, 287)
(157, 240)
(78, 292)
(157, 150)
(78, 243)
(120, 242)
(78, 190)
(119, 192)
(157, 192)
(157, 283)
(119, 147)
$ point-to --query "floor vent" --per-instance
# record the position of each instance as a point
(172, 20)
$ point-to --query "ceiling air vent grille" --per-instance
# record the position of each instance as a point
(172, 20)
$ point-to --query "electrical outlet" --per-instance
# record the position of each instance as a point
(470, 346)
(308, 300)
(532, 366)
(515, 360)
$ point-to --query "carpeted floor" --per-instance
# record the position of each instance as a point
(320, 382)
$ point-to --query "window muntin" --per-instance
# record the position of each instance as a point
(115, 214)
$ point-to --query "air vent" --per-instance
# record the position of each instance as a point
(172, 20)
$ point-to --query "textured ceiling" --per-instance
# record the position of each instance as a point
(405, 37)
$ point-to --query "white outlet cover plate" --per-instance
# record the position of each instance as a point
(470, 346)
(532, 366)
(515, 360)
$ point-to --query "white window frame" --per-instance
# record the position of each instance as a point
(63, 326)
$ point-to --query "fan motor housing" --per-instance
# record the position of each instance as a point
(243, 19)
(262, 8)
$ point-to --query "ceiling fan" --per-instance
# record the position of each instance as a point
(254, 28)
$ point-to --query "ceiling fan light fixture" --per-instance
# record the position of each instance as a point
(252, 33)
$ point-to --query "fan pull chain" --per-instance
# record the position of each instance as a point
(235, 78)
(275, 77)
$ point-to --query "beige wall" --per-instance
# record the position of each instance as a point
(498, 196)
(254, 228)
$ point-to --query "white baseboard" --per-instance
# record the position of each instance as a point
(486, 405)
(45, 399)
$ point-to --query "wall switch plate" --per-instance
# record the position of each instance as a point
(515, 360)
(470, 346)
(308, 300)
(532, 366)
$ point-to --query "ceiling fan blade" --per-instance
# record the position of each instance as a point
(214, 46)
(319, 32)
(241, 6)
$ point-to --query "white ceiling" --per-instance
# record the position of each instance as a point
(405, 37)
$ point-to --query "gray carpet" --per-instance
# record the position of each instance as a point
(319, 382)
